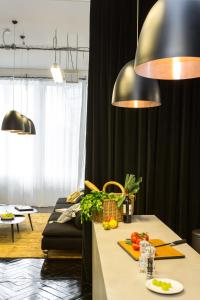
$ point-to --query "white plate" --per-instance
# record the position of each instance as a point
(176, 288)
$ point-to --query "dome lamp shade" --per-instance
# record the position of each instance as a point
(27, 126)
(169, 43)
(13, 122)
(133, 91)
(33, 131)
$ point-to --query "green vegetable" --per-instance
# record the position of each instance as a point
(93, 203)
(132, 185)
(128, 241)
(118, 198)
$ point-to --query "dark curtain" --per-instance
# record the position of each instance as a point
(160, 144)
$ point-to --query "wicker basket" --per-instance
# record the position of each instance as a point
(110, 208)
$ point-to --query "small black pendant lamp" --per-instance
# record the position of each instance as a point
(169, 43)
(133, 91)
(13, 121)
(27, 125)
(33, 131)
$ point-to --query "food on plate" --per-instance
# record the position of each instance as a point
(165, 286)
(7, 216)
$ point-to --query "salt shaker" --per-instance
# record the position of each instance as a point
(143, 256)
(150, 267)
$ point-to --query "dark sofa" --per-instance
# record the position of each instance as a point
(65, 236)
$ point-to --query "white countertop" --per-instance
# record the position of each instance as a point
(120, 272)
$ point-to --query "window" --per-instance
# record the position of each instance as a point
(36, 170)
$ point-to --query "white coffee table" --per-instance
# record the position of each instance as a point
(16, 220)
(12, 209)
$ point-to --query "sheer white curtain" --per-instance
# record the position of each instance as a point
(37, 169)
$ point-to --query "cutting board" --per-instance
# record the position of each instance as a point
(165, 252)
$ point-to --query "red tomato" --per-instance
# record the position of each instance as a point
(134, 237)
(138, 240)
(136, 247)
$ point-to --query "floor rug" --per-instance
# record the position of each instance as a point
(27, 243)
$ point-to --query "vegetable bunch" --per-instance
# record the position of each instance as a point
(132, 185)
(93, 203)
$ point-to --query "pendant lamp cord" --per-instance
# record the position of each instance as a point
(27, 83)
(14, 46)
(21, 82)
(137, 18)
(55, 44)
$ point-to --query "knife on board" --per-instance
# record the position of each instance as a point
(175, 243)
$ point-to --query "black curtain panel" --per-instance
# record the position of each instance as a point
(160, 144)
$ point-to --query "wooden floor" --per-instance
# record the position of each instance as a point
(37, 279)
(34, 279)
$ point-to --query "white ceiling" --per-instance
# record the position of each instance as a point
(38, 19)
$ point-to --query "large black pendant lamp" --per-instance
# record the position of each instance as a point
(13, 121)
(169, 43)
(133, 91)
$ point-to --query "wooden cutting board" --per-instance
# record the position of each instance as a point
(165, 252)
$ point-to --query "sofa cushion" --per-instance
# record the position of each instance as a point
(64, 200)
(64, 205)
(69, 213)
(61, 201)
(54, 216)
(77, 220)
(62, 230)
(62, 243)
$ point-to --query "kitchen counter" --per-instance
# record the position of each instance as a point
(116, 275)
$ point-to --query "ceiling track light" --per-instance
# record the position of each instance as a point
(56, 71)
(133, 91)
(169, 45)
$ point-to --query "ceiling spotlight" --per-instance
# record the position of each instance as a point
(56, 73)
(55, 68)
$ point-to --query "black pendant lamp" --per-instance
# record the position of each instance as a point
(27, 125)
(33, 131)
(169, 43)
(133, 91)
(13, 122)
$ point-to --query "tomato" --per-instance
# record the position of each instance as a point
(134, 237)
(136, 247)
(137, 237)
(138, 240)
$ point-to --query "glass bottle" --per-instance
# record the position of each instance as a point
(127, 210)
